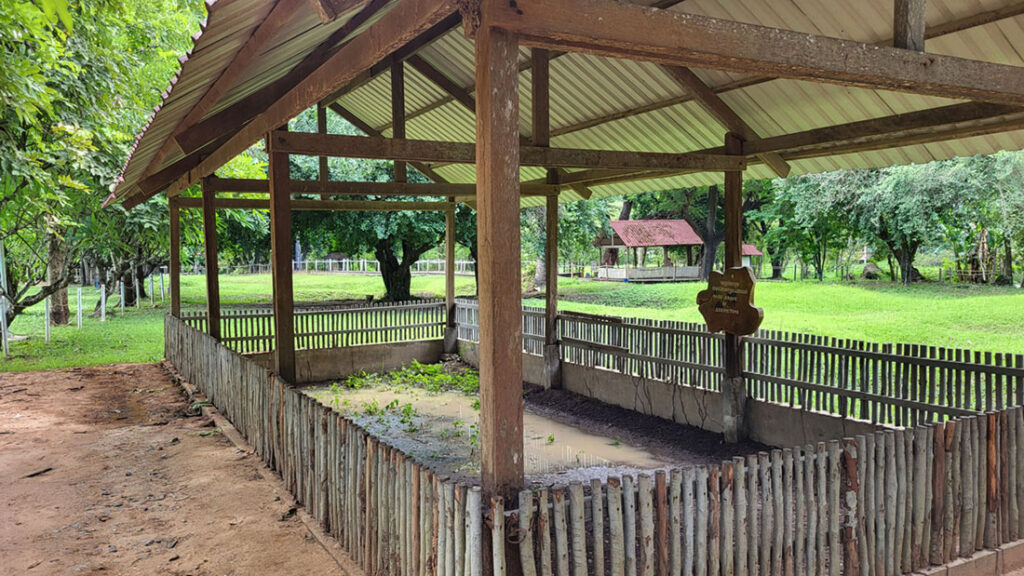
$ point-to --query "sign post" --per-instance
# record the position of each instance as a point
(727, 306)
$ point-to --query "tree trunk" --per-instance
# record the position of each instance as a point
(712, 237)
(778, 265)
(56, 251)
(1007, 259)
(540, 276)
(397, 282)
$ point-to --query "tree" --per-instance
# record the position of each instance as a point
(812, 215)
(78, 79)
(903, 206)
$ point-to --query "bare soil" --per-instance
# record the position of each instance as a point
(103, 472)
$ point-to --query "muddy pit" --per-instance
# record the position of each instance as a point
(566, 437)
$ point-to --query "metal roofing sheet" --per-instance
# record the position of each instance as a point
(636, 233)
(601, 103)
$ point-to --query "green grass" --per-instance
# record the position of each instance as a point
(137, 336)
(956, 315)
(978, 317)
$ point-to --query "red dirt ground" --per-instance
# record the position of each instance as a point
(134, 486)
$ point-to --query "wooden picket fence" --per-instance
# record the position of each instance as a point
(392, 516)
(887, 503)
(884, 504)
(250, 329)
(892, 384)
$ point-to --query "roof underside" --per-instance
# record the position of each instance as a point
(637, 233)
(603, 103)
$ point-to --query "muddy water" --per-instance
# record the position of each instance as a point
(440, 429)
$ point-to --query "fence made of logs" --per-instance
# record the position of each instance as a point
(887, 503)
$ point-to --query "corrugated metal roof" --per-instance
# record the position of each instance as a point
(751, 250)
(602, 103)
(637, 233)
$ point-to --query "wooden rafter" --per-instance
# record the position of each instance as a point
(194, 135)
(282, 11)
(937, 31)
(455, 96)
(889, 127)
(308, 144)
(388, 34)
(608, 28)
(722, 112)
(921, 127)
(328, 10)
(431, 34)
(201, 138)
(908, 24)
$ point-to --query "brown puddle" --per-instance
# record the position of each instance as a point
(566, 437)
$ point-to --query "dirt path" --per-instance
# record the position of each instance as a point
(102, 472)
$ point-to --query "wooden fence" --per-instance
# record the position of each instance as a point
(251, 329)
(392, 516)
(887, 503)
(892, 384)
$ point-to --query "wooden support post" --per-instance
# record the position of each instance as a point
(908, 24)
(451, 343)
(734, 392)
(324, 174)
(175, 264)
(281, 264)
(541, 131)
(398, 113)
(212, 274)
(501, 310)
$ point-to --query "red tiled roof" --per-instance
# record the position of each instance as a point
(751, 250)
(635, 233)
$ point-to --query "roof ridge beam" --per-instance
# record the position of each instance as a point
(608, 28)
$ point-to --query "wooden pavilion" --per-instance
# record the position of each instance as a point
(503, 104)
(644, 234)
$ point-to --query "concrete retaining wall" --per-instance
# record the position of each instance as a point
(335, 363)
(769, 423)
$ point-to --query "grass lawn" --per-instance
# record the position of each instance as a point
(964, 316)
(978, 317)
(137, 336)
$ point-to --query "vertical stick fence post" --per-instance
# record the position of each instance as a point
(137, 284)
(122, 296)
(3, 326)
(103, 302)
(152, 297)
(79, 309)
(6, 345)
(46, 318)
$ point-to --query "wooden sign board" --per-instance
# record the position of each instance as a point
(727, 304)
